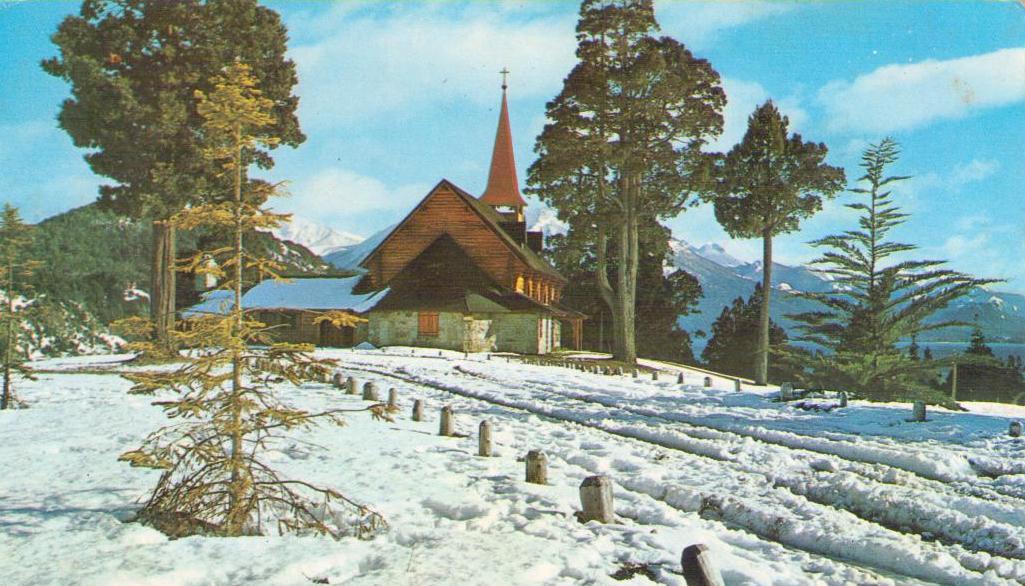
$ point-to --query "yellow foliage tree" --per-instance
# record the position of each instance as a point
(214, 480)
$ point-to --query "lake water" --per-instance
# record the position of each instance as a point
(1002, 350)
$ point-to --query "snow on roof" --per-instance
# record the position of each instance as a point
(320, 293)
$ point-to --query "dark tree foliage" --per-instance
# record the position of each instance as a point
(623, 148)
(981, 376)
(133, 67)
(877, 300)
(662, 298)
(764, 187)
(734, 340)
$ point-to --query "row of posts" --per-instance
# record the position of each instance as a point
(595, 491)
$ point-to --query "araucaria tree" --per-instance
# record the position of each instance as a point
(133, 67)
(623, 145)
(764, 187)
(214, 479)
(15, 270)
(877, 299)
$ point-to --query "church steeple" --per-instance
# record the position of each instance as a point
(503, 190)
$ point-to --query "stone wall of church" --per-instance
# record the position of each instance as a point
(500, 332)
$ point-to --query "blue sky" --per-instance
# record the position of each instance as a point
(395, 96)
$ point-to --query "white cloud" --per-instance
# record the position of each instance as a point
(697, 24)
(902, 97)
(375, 63)
(346, 200)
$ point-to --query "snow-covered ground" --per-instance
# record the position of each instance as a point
(781, 495)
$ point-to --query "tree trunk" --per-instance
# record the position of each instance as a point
(762, 358)
(605, 289)
(626, 272)
(162, 282)
(5, 399)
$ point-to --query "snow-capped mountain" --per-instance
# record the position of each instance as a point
(320, 239)
(718, 255)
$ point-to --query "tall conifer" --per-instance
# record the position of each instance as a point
(15, 270)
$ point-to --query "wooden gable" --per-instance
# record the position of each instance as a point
(446, 210)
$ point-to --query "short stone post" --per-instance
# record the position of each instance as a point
(484, 440)
(352, 385)
(393, 397)
(786, 391)
(654, 375)
(1015, 429)
(369, 392)
(708, 382)
(698, 569)
(918, 411)
(447, 424)
(736, 385)
(418, 410)
(843, 399)
(596, 500)
(635, 375)
(336, 380)
(537, 467)
(679, 378)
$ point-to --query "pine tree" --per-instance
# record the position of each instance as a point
(15, 271)
(877, 300)
(764, 187)
(734, 339)
(624, 144)
(214, 479)
(133, 66)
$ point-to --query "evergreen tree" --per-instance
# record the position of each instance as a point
(623, 147)
(764, 187)
(15, 270)
(877, 300)
(214, 479)
(734, 341)
(914, 349)
(133, 66)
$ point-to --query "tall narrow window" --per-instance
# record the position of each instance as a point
(429, 325)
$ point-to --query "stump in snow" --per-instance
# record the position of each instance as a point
(843, 399)
(537, 467)
(447, 425)
(418, 410)
(708, 382)
(393, 397)
(352, 386)
(370, 392)
(679, 378)
(698, 569)
(484, 440)
(596, 500)
(918, 411)
(1015, 429)
(786, 392)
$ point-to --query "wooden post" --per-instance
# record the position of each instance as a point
(918, 412)
(786, 391)
(596, 500)
(843, 398)
(352, 386)
(635, 373)
(369, 392)
(1015, 429)
(537, 467)
(393, 397)
(447, 423)
(698, 569)
(708, 382)
(953, 383)
(654, 375)
(679, 378)
(736, 385)
(484, 440)
(418, 410)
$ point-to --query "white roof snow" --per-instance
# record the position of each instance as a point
(324, 293)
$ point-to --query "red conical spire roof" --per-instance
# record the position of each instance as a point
(503, 188)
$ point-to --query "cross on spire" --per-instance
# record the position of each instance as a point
(505, 78)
